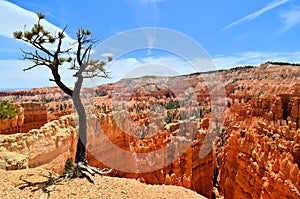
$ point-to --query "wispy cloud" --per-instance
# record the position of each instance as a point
(257, 13)
(173, 65)
(254, 58)
(290, 18)
(147, 14)
(13, 76)
(149, 3)
(137, 67)
(121, 68)
(13, 18)
(170, 66)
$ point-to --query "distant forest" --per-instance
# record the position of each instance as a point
(268, 62)
(283, 63)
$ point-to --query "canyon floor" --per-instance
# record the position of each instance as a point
(36, 183)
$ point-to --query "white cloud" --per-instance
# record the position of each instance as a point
(150, 66)
(254, 58)
(106, 54)
(290, 18)
(203, 64)
(256, 14)
(12, 76)
(173, 65)
(13, 18)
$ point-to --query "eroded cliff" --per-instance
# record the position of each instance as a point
(53, 143)
(255, 153)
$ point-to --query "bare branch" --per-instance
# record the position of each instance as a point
(66, 51)
(31, 67)
(37, 59)
(98, 74)
(87, 53)
(60, 38)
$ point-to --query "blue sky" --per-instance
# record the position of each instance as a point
(232, 32)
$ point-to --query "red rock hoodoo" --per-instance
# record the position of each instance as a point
(254, 153)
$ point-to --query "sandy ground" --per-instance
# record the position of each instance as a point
(35, 183)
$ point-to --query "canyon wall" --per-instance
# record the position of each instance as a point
(53, 143)
(256, 153)
(11, 126)
(260, 162)
(35, 115)
(108, 143)
(258, 147)
(32, 115)
(57, 109)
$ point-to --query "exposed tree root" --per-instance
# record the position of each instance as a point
(81, 170)
(93, 170)
(78, 170)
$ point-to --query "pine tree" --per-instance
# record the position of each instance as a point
(77, 57)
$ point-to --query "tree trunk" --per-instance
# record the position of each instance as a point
(81, 145)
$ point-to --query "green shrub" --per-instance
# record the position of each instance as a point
(7, 110)
(69, 165)
(172, 104)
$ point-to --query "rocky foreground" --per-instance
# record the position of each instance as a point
(35, 183)
(236, 131)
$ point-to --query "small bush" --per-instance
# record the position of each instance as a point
(172, 104)
(69, 165)
(72, 170)
(8, 110)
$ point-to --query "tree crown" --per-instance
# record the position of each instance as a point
(77, 56)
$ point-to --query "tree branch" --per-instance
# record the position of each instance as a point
(31, 67)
